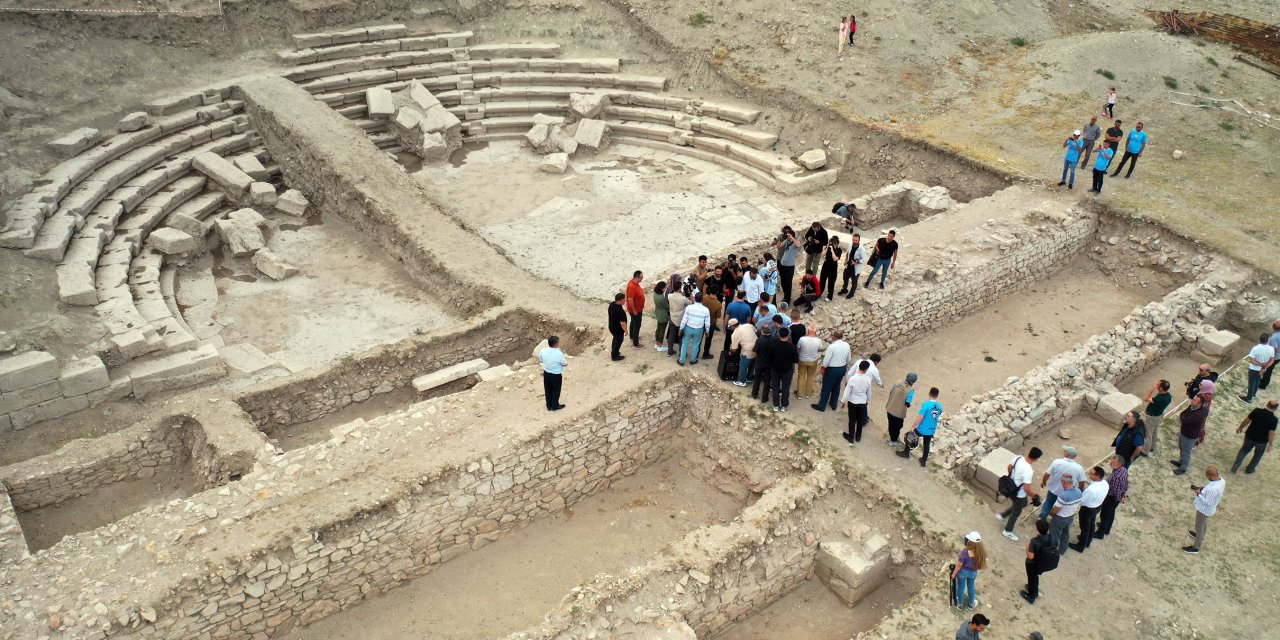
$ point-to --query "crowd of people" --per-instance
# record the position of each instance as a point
(1080, 146)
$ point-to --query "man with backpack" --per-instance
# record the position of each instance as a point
(1042, 557)
(1020, 475)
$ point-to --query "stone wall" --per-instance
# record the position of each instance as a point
(34, 388)
(323, 390)
(13, 546)
(1027, 405)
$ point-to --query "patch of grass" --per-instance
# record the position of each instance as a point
(988, 359)
(1225, 74)
(1106, 73)
(1171, 82)
(911, 514)
(419, 332)
(1018, 42)
(641, 368)
(1203, 89)
(699, 19)
(1199, 43)
(751, 411)
(1227, 126)
(1211, 61)
(803, 436)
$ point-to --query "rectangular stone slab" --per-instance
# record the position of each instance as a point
(449, 374)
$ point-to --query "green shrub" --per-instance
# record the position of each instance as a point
(1227, 126)
(1171, 82)
(1105, 73)
(1203, 89)
(1018, 42)
(1211, 61)
(699, 19)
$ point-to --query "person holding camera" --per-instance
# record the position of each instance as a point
(1022, 474)
(815, 243)
(857, 256)
(788, 250)
(1206, 503)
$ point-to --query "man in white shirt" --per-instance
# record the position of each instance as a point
(694, 322)
(873, 371)
(835, 363)
(1207, 498)
(1261, 356)
(553, 364)
(808, 347)
(753, 286)
(1095, 493)
(1051, 481)
(857, 394)
(1022, 474)
(742, 341)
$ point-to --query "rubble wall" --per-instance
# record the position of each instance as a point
(321, 391)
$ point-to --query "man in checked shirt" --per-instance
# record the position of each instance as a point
(1117, 494)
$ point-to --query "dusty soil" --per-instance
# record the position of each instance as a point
(524, 575)
(814, 612)
(44, 527)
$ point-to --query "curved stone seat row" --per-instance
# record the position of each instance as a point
(437, 62)
(320, 47)
(531, 83)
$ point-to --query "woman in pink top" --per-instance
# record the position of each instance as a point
(853, 28)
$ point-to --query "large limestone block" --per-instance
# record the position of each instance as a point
(273, 266)
(422, 97)
(1218, 343)
(252, 166)
(433, 147)
(76, 284)
(169, 241)
(591, 135)
(232, 180)
(495, 373)
(406, 119)
(134, 121)
(246, 358)
(554, 163)
(991, 467)
(11, 401)
(83, 376)
(844, 567)
(27, 370)
(262, 194)
(55, 408)
(449, 374)
(175, 371)
(813, 159)
(442, 121)
(241, 238)
(587, 105)
(76, 141)
(380, 101)
(292, 203)
(188, 225)
(1113, 406)
(248, 216)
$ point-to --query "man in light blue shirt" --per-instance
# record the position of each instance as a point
(1105, 154)
(1074, 145)
(1274, 341)
(553, 364)
(926, 426)
(1132, 150)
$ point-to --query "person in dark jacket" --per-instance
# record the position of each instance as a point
(764, 363)
(783, 358)
(1192, 434)
(1131, 439)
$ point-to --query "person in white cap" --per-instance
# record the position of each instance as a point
(1074, 145)
(1051, 481)
(972, 560)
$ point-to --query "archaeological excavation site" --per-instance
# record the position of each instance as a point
(276, 276)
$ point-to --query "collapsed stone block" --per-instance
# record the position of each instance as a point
(434, 147)
(593, 135)
(133, 343)
(232, 180)
(76, 141)
(242, 238)
(250, 164)
(381, 104)
(1218, 343)
(292, 203)
(27, 370)
(169, 241)
(813, 159)
(245, 358)
(76, 284)
(273, 266)
(554, 163)
(494, 373)
(587, 105)
(1113, 406)
(84, 375)
(422, 97)
(134, 121)
(991, 467)
(262, 194)
(188, 225)
(248, 216)
(449, 374)
(846, 569)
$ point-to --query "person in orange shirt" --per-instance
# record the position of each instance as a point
(635, 306)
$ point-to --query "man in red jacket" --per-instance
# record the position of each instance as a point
(635, 306)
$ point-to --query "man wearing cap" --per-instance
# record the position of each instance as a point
(1074, 146)
(1091, 134)
(1094, 494)
(1051, 481)
(835, 363)
(972, 629)
(901, 394)
(1064, 512)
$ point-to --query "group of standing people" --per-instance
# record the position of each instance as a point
(1080, 147)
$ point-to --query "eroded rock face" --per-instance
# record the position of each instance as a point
(420, 122)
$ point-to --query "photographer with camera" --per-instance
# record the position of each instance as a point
(1022, 474)
(788, 250)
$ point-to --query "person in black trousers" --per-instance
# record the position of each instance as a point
(1035, 548)
(617, 326)
(783, 358)
(764, 362)
(553, 364)
(831, 266)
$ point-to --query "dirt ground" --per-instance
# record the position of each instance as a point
(814, 612)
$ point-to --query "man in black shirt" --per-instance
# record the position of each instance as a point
(783, 358)
(1259, 429)
(1039, 546)
(1204, 373)
(883, 258)
(714, 284)
(815, 240)
(1114, 134)
(764, 363)
(617, 325)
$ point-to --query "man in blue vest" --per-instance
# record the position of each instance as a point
(1132, 150)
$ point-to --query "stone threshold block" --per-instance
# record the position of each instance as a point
(27, 370)
(853, 570)
(1113, 406)
(991, 468)
(449, 374)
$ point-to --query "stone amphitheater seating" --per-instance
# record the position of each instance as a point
(496, 89)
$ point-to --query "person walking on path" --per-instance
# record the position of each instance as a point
(1158, 400)
(1191, 433)
(835, 363)
(1110, 107)
(1117, 494)
(883, 258)
(661, 316)
(783, 360)
(1274, 342)
(1022, 474)
(1091, 133)
(853, 30)
(1114, 133)
(1206, 503)
(831, 256)
(842, 34)
(1051, 481)
(788, 252)
(617, 326)
(857, 394)
(926, 426)
(1074, 146)
(1129, 442)
(857, 256)
(1105, 154)
(1132, 150)
(972, 629)
(677, 300)
(1064, 512)
(1094, 495)
(1261, 357)
(1037, 549)
(553, 364)
(808, 345)
(972, 560)
(815, 246)
(901, 394)
(1259, 429)
(764, 363)
(635, 306)
(742, 343)
(693, 324)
